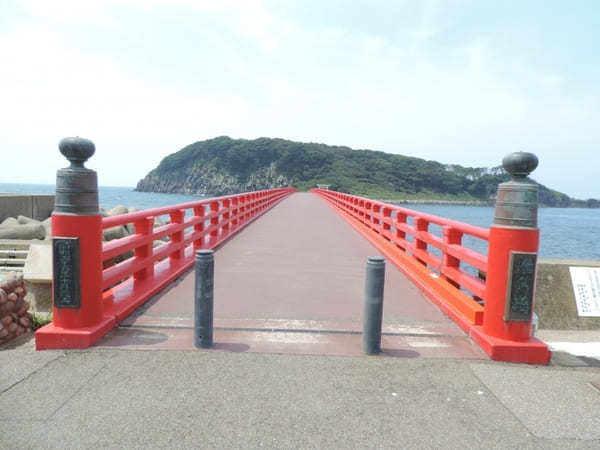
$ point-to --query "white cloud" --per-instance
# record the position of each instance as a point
(50, 90)
(326, 84)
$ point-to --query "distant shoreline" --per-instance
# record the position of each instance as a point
(439, 202)
(576, 204)
(33, 188)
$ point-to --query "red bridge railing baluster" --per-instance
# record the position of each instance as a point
(199, 213)
(451, 264)
(144, 227)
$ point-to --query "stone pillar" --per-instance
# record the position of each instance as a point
(512, 255)
(78, 319)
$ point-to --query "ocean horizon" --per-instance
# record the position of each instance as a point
(565, 233)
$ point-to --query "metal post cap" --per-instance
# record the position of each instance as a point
(77, 150)
(76, 185)
(520, 164)
(517, 199)
(376, 260)
(204, 253)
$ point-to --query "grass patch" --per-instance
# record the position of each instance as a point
(39, 319)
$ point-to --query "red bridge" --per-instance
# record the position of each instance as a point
(289, 274)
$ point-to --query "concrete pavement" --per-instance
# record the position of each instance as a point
(292, 378)
(101, 398)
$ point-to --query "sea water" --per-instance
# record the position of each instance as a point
(565, 233)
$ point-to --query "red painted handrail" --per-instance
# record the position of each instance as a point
(391, 222)
(163, 253)
(482, 314)
(152, 257)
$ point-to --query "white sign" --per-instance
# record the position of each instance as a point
(586, 285)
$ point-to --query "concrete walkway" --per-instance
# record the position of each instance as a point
(293, 282)
(250, 392)
(213, 399)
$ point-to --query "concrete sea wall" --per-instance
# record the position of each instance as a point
(36, 206)
(555, 299)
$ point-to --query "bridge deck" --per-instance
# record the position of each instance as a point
(293, 282)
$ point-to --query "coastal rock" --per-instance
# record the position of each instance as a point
(118, 210)
(9, 222)
(47, 224)
(110, 234)
(23, 220)
(25, 228)
(24, 232)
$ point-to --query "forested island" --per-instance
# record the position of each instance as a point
(222, 166)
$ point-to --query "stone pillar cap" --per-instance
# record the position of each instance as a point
(76, 185)
(517, 200)
(520, 164)
(77, 150)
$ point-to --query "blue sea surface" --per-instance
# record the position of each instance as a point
(566, 233)
(111, 196)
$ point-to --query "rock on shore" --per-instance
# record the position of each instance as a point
(25, 228)
(15, 319)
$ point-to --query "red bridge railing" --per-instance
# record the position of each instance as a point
(96, 284)
(129, 283)
(431, 260)
(160, 255)
(458, 278)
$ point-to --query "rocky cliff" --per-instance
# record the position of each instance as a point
(206, 179)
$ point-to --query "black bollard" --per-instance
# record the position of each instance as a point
(373, 315)
(203, 299)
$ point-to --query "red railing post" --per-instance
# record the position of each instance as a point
(512, 259)
(235, 212)
(199, 212)
(387, 214)
(144, 227)
(452, 236)
(421, 225)
(226, 216)
(376, 222)
(77, 311)
(241, 210)
(87, 229)
(176, 218)
(214, 222)
(250, 207)
(400, 234)
(247, 207)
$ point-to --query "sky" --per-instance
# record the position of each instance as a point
(456, 81)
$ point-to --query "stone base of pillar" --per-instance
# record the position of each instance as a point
(52, 337)
(532, 351)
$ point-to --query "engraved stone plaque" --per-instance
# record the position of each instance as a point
(519, 292)
(65, 256)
